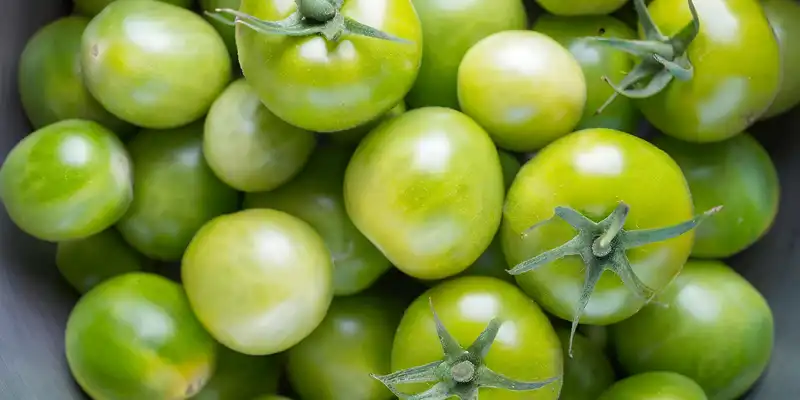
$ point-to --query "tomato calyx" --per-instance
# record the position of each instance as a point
(462, 371)
(312, 17)
(602, 246)
(662, 58)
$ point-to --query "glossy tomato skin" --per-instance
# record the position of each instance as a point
(135, 337)
(50, 82)
(332, 86)
(588, 373)
(354, 135)
(260, 281)
(158, 84)
(592, 171)
(352, 342)
(315, 196)
(68, 180)
(247, 146)
(227, 32)
(86, 262)
(737, 73)
(655, 386)
(581, 7)
(596, 61)
(716, 329)
(737, 174)
(91, 8)
(410, 189)
(523, 103)
(784, 17)
(239, 376)
(175, 192)
(526, 350)
(449, 29)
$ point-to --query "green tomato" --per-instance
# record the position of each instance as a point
(91, 8)
(736, 62)
(355, 135)
(713, 327)
(329, 86)
(135, 337)
(522, 101)
(175, 192)
(68, 180)
(592, 171)
(315, 196)
(581, 7)
(738, 174)
(525, 348)
(86, 262)
(413, 192)
(260, 281)
(226, 31)
(588, 372)
(50, 82)
(597, 62)
(784, 17)
(352, 342)
(449, 29)
(655, 386)
(153, 64)
(247, 146)
(239, 376)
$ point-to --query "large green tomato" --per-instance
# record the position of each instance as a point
(784, 17)
(738, 174)
(352, 342)
(597, 62)
(332, 85)
(588, 373)
(260, 281)
(713, 327)
(226, 31)
(524, 346)
(449, 29)
(315, 196)
(592, 171)
(247, 146)
(581, 7)
(241, 377)
(175, 192)
(525, 88)
(655, 386)
(411, 189)
(50, 81)
(86, 262)
(69, 180)
(153, 64)
(91, 8)
(135, 337)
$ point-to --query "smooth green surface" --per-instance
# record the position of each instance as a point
(737, 174)
(91, 8)
(655, 386)
(352, 342)
(449, 29)
(153, 64)
(581, 7)
(410, 189)
(240, 377)
(588, 373)
(135, 337)
(315, 196)
(596, 61)
(522, 101)
(247, 146)
(85, 263)
(174, 192)
(355, 135)
(784, 17)
(716, 328)
(68, 180)
(592, 171)
(260, 281)
(332, 86)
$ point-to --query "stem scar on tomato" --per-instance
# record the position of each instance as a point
(312, 17)
(462, 371)
(602, 246)
(662, 58)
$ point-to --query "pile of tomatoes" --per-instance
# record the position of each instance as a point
(426, 199)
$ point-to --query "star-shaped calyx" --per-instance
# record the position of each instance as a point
(462, 371)
(602, 246)
(661, 58)
(312, 17)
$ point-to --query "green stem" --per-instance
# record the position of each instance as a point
(318, 10)
(463, 371)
